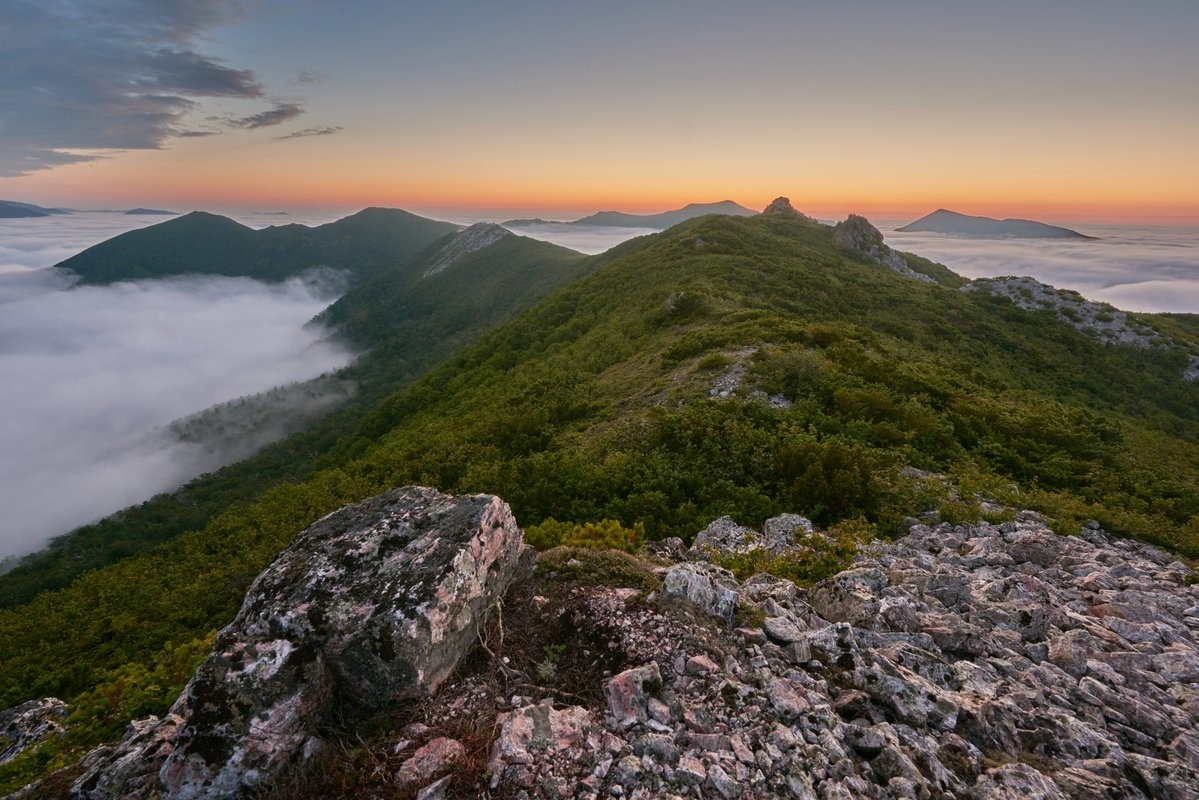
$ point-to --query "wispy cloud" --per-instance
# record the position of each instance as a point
(83, 77)
(308, 76)
(283, 112)
(320, 130)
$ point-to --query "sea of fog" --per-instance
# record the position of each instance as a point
(88, 374)
(1133, 267)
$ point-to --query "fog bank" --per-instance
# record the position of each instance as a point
(87, 374)
(1133, 267)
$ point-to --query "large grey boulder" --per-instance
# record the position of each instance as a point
(779, 535)
(377, 600)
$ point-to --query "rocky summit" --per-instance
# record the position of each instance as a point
(992, 661)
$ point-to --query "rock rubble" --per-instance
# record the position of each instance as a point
(957, 662)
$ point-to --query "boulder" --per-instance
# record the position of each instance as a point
(707, 587)
(778, 535)
(30, 724)
(374, 601)
(629, 693)
(535, 733)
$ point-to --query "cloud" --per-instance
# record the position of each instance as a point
(589, 239)
(308, 76)
(1136, 268)
(320, 130)
(87, 375)
(77, 79)
(283, 112)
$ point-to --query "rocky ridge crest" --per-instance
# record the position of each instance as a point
(1106, 323)
(473, 239)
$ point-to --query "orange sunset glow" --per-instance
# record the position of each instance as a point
(1071, 130)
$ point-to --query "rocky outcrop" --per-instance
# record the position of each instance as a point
(375, 601)
(781, 207)
(1105, 322)
(474, 238)
(990, 661)
(779, 535)
(856, 233)
(30, 724)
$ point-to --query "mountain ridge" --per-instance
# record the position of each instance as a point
(202, 243)
(11, 209)
(951, 222)
(661, 221)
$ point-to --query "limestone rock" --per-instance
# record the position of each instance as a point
(630, 691)
(533, 734)
(30, 724)
(373, 601)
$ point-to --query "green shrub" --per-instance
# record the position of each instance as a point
(607, 534)
(960, 512)
(714, 361)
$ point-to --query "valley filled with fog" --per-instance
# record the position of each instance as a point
(90, 376)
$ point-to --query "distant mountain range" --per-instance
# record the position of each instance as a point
(667, 219)
(951, 222)
(199, 243)
(11, 209)
(151, 212)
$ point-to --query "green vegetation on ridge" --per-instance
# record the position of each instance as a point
(595, 405)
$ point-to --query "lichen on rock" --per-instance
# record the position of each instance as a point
(374, 601)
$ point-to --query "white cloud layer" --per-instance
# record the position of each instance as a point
(589, 239)
(1136, 268)
(87, 374)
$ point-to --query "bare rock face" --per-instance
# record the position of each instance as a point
(857, 233)
(778, 535)
(474, 238)
(376, 600)
(781, 207)
(29, 724)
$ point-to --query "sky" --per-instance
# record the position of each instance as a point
(1071, 111)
